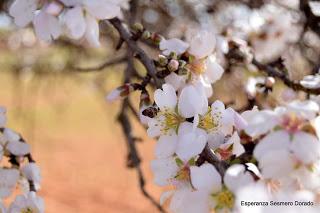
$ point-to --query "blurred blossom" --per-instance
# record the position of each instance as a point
(151, 16)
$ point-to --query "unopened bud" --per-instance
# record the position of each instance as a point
(146, 35)
(173, 65)
(156, 38)
(269, 82)
(121, 92)
(163, 60)
(138, 27)
(182, 63)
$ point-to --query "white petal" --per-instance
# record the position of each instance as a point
(173, 45)
(11, 135)
(32, 172)
(273, 141)
(154, 129)
(92, 31)
(202, 44)
(8, 180)
(23, 11)
(166, 98)
(260, 122)
(214, 70)
(276, 164)
(75, 22)
(305, 147)
(102, 9)
(191, 144)
(47, 27)
(192, 102)
(164, 170)
(238, 149)
(205, 177)
(177, 81)
(187, 201)
(18, 148)
(236, 177)
(166, 146)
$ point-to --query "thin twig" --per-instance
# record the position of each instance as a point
(100, 67)
(270, 71)
(139, 53)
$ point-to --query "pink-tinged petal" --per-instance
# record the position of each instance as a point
(205, 177)
(279, 140)
(92, 31)
(166, 98)
(305, 147)
(154, 128)
(75, 22)
(166, 146)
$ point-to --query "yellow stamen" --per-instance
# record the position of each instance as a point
(225, 199)
(208, 122)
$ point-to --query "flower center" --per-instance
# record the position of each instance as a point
(225, 199)
(183, 174)
(27, 210)
(292, 123)
(197, 66)
(209, 122)
(171, 120)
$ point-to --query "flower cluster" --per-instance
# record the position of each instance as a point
(17, 169)
(77, 19)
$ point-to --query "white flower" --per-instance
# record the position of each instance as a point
(32, 172)
(3, 118)
(192, 101)
(23, 11)
(8, 180)
(27, 203)
(10, 140)
(286, 152)
(173, 45)
(82, 20)
(208, 183)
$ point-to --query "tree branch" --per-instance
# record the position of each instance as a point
(100, 67)
(132, 45)
(270, 71)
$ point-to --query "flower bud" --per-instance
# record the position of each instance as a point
(138, 27)
(122, 92)
(146, 35)
(163, 60)
(269, 82)
(156, 38)
(173, 65)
